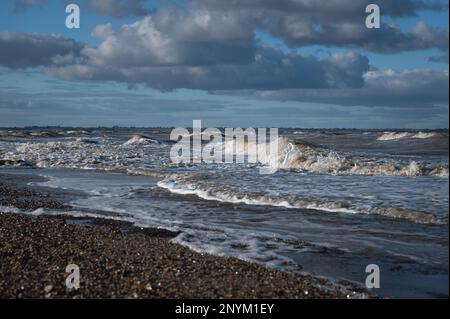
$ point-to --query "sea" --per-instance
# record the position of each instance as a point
(340, 200)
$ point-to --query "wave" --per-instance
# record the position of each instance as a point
(390, 136)
(391, 169)
(283, 153)
(71, 213)
(161, 175)
(83, 153)
(300, 155)
(43, 133)
(13, 163)
(426, 135)
(140, 152)
(140, 139)
(88, 140)
(232, 196)
(76, 132)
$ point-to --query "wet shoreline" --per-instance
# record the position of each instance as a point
(119, 260)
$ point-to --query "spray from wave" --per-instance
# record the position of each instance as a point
(307, 157)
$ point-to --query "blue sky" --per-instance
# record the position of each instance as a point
(116, 94)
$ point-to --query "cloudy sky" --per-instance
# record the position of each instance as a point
(271, 63)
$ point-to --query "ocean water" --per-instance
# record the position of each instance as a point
(340, 200)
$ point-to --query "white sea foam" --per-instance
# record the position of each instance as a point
(68, 213)
(302, 156)
(283, 153)
(288, 155)
(92, 153)
(390, 136)
(424, 135)
(140, 139)
(233, 196)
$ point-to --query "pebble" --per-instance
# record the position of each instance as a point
(48, 289)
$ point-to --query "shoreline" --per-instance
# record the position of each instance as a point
(120, 260)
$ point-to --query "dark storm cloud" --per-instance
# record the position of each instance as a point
(390, 38)
(208, 51)
(18, 50)
(297, 22)
(338, 23)
(341, 8)
(271, 69)
(411, 88)
(110, 8)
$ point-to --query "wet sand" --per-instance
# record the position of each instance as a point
(119, 260)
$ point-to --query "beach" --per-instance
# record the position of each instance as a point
(119, 260)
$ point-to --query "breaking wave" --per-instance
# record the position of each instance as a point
(141, 152)
(84, 153)
(232, 196)
(390, 136)
(140, 139)
(287, 154)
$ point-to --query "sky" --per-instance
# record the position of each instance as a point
(229, 63)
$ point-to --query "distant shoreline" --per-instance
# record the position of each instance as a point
(388, 129)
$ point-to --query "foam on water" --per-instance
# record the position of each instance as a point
(298, 155)
(142, 152)
(140, 139)
(234, 196)
(390, 136)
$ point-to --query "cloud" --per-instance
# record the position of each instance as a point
(271, 69)
(389, 39)
(439, 58)
(211, 45)
(168, 38)
(333, 23)
(204, 50)
(383, 88)
(23, 5)
(116, 9)
(102, 106)
(340, 8)
(299, 23)
(119, 8)
(337, 23)
(19, 50)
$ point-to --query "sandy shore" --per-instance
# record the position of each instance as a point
(118, 260)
